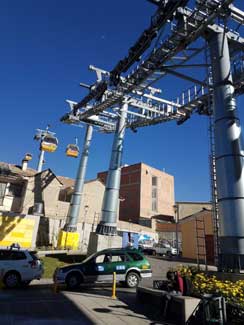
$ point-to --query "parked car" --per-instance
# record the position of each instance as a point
(129, 264)
(19, 267)
(161, 249)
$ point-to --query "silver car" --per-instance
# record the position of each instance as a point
(19, 267)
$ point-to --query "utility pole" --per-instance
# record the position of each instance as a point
(229, 156)
(75, 203)
(108, 222)
(176, 207)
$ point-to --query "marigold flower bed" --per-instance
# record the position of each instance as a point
(232, 291)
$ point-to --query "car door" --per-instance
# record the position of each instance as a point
(18, 261)
(119, 265)
(4, 255)
(98, 269)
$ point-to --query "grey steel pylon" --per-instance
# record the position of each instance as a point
(108, 223)
(75, 203)
(229, 157)
(40, 161)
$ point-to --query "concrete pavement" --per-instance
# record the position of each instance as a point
(39, 305)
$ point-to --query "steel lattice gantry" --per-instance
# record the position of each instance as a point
(183, 34)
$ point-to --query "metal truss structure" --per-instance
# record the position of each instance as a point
(183, 34)
(183, 42)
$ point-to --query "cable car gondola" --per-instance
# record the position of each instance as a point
(72, 150)
(49, 143)
(28, 157)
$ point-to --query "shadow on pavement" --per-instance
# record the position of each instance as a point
(128, 297)
(40, 304)
(30, 306)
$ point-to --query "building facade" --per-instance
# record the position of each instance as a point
(144, 192)
(25, 192)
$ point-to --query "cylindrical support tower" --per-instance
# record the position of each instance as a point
(108, 223)
(74, 208)
(40, 162)
(229, 157)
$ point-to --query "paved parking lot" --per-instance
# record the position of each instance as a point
(38, 304)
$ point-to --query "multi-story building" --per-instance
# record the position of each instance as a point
(145, 192)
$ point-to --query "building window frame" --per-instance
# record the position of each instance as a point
(154, 194)
(3, 188)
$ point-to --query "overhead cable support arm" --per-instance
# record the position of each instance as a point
(183, 76)
(164, 13)
(143, 76)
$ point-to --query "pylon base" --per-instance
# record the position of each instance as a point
(99, 242)
(68, 240)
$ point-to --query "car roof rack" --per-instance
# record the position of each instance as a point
(14, 246)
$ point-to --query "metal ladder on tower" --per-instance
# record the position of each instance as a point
(212, 167)
(201, 241)
(214, 193)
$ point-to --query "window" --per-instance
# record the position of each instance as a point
(135, 256)
(119, 258)
(4, 255)
(2, 192)
(64, 195)
(15, 190)
(104, 258)
(154, 181)
(154, 193)
(11, 255)
(16, 255)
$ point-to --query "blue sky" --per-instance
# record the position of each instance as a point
(46, 47)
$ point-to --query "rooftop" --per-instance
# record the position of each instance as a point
(8, 169)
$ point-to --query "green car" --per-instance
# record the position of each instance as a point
(129, 264)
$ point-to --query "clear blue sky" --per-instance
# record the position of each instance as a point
(46, 47)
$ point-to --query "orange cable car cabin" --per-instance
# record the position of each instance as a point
(49, 143)
(72, 150)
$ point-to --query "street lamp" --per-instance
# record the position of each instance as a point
(176, 210)
(86, 207)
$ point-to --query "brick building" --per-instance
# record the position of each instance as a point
(144, 192)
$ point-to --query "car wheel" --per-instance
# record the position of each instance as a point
(73, 280)
(12, 280)
(132, 280)
(169, 254)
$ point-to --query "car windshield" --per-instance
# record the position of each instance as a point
(89, 258)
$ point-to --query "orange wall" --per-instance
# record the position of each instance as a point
(188, 230)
